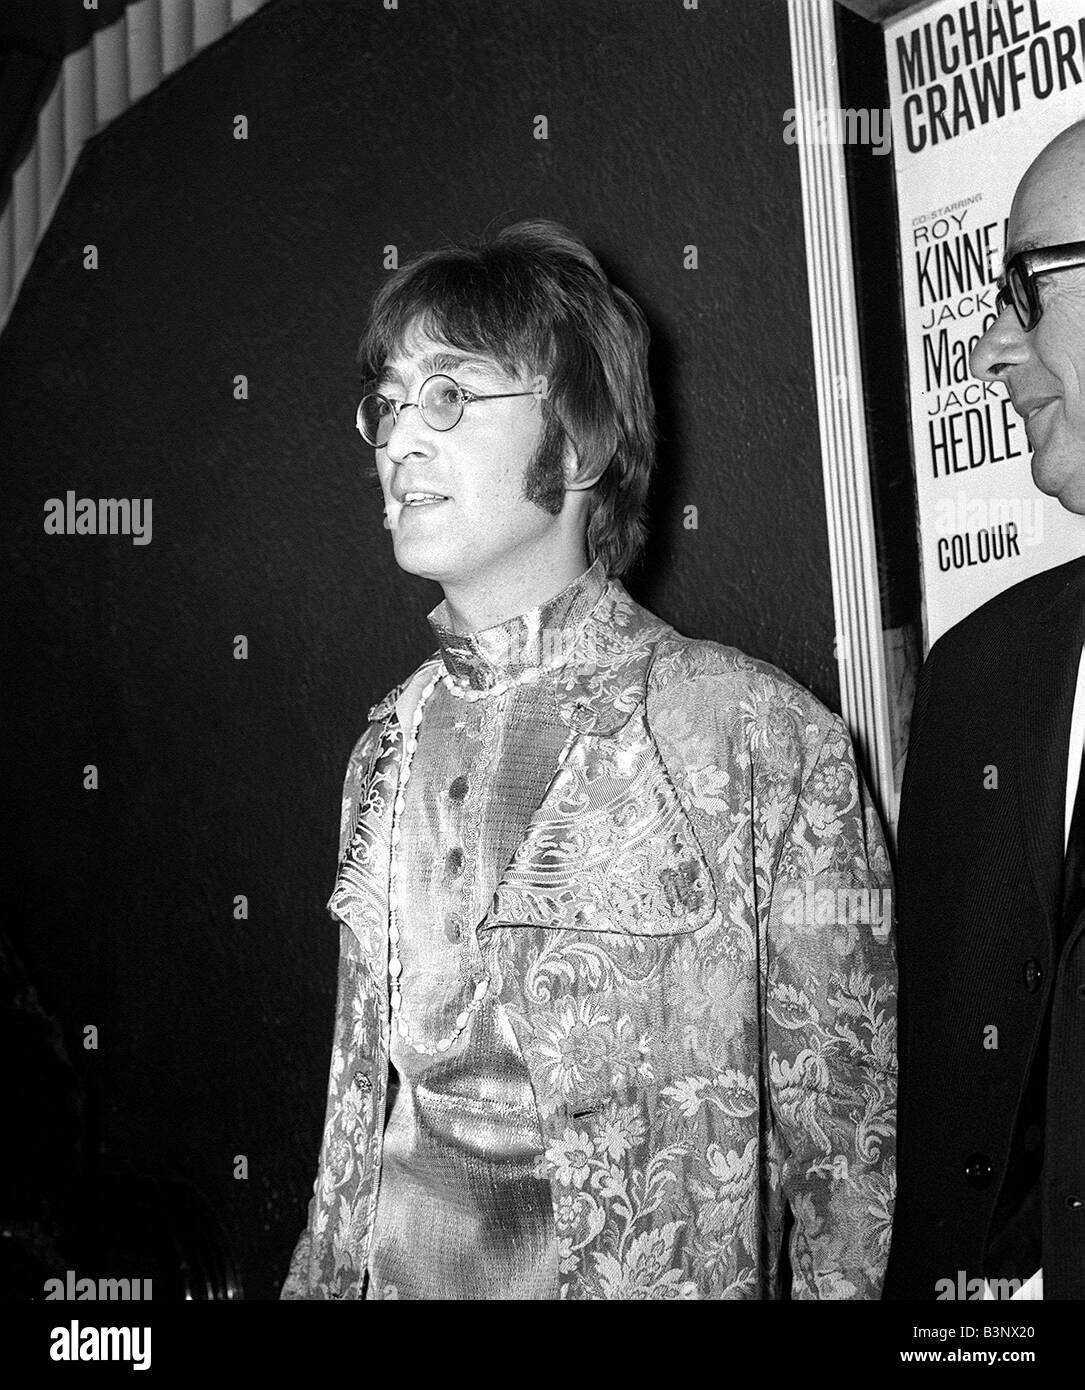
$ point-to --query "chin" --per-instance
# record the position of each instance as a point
(414, 565)
(420, 560)
(1062, 479)
(1073, 498)
(410, 564)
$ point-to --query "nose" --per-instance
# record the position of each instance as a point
(409, 435)
(1003, 345)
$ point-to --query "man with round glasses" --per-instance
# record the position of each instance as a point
(615, 1007)
(991, 851)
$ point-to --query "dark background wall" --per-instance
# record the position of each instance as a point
(218, 256)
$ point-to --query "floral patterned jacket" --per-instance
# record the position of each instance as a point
(693, 944)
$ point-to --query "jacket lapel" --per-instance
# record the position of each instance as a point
(1043, 722)
(610, 848)
(360, 896)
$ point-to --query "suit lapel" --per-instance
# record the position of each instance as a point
(360, 896)
(610, 848)
(1044, 707)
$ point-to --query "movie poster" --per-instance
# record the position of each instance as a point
(976, 89)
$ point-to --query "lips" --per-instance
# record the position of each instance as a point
(1031, 406)
(419, 497)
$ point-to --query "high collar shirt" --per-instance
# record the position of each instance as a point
(462, 1211)
(690, 942)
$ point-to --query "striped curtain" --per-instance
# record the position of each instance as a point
(120, 64)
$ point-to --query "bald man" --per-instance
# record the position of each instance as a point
(991, 1196)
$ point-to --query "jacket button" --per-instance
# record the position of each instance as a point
(363, 1082)
(1075, 1203)
(977, 1170)
(582, 717)
(454, 927)
(457, 788)
(1033, 974)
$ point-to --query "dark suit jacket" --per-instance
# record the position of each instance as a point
(979, 885)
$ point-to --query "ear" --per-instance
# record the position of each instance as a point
(580, 476)
(570, 467)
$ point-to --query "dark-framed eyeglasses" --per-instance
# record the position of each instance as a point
(440, 403)
(1018, 285)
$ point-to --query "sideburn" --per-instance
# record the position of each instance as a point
(544, 477)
